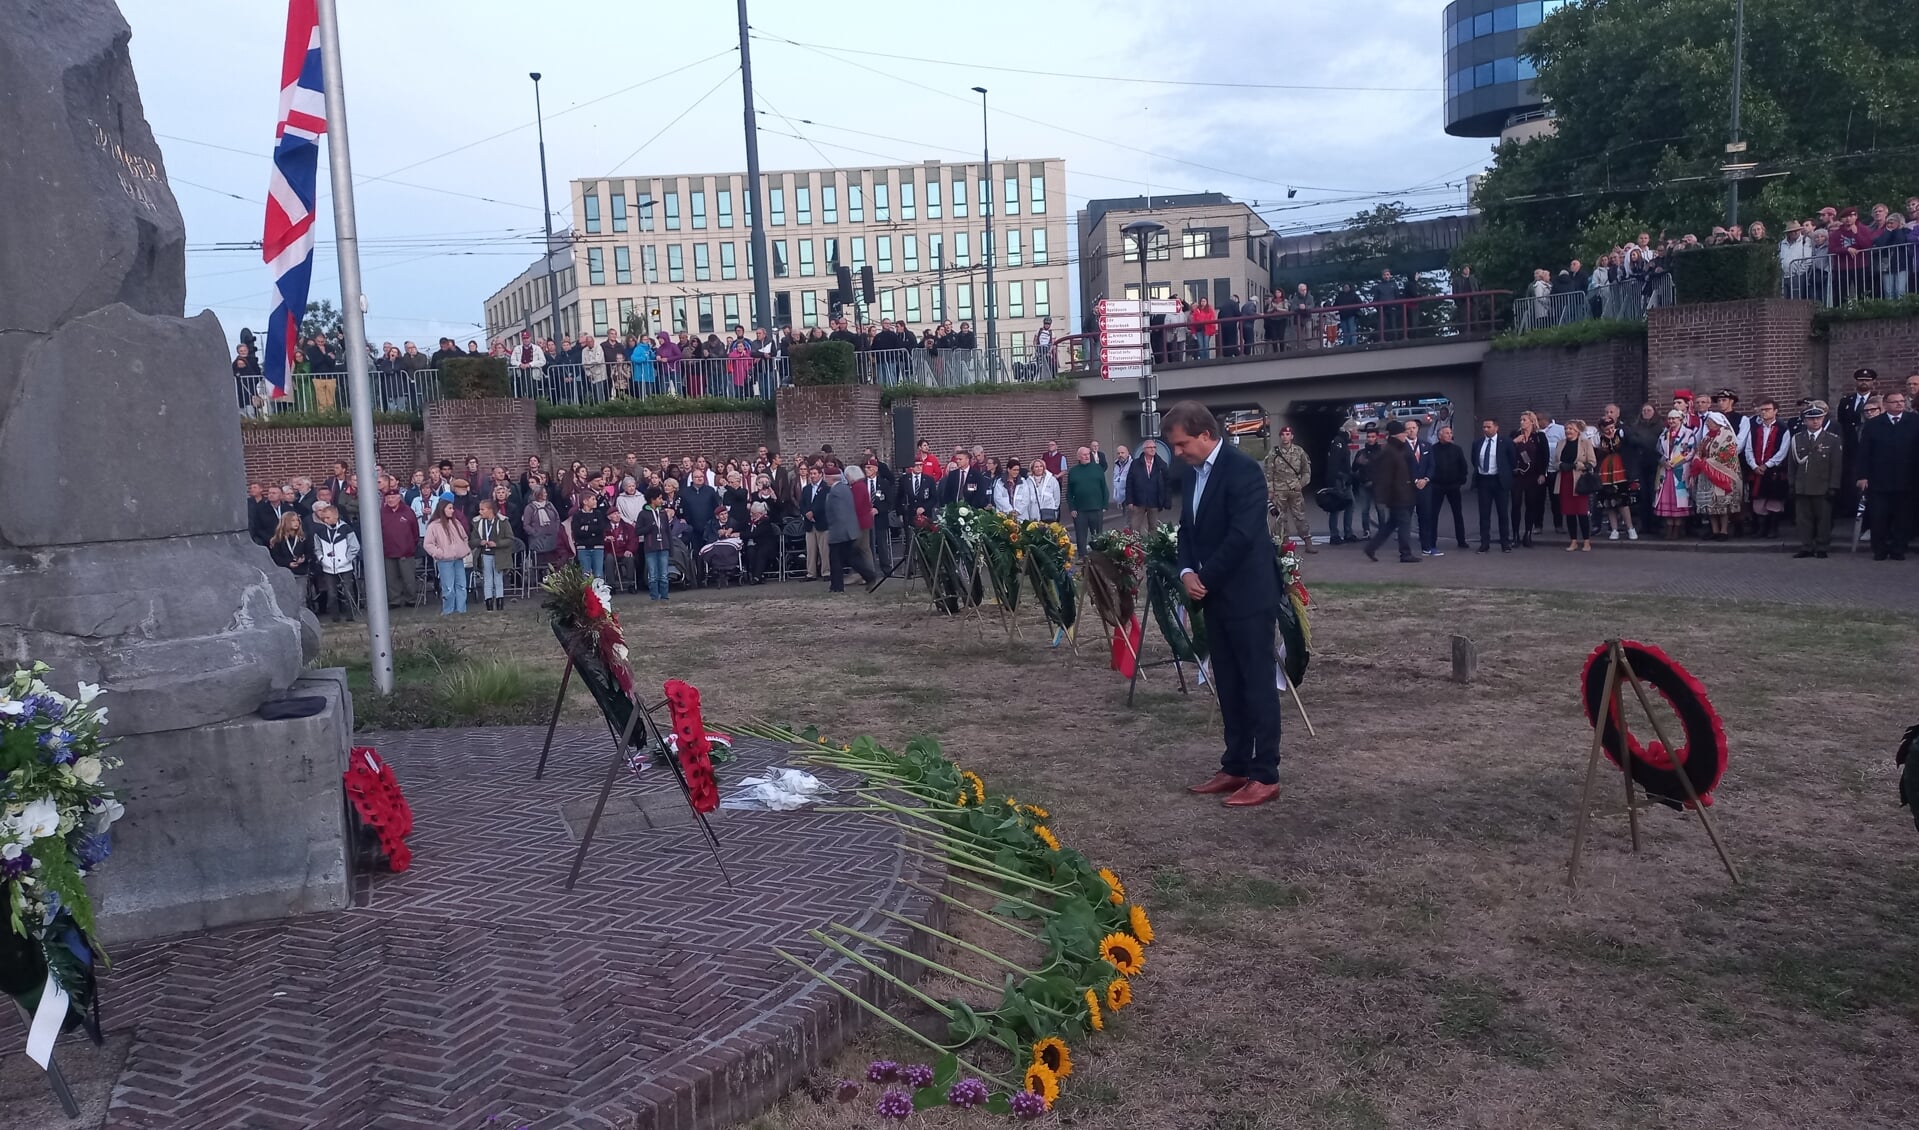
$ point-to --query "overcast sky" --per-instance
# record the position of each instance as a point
(446, 165)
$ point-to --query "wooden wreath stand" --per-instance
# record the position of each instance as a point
(1609, 708)
(622, 742)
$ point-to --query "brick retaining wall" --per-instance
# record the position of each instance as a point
(1758, 347)
(274, 455)
(1008, 423)
(607, 439)
(847, 416)
(1889, 345)
(1566, 381)
(498, 431)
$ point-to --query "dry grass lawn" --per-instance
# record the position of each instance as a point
(1392, 944)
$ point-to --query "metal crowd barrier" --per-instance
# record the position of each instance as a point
(951, 368)
(412, 391)
(1835, 280)
(1622, 301)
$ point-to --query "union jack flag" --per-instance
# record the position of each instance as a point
(288, 242)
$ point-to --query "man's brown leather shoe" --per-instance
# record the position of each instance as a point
(1221, 783)
(1252, 793)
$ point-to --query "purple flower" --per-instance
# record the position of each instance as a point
(967, 1093)
(92, 849)
(895, 1104)
(847, 1090)
(1027, 1105)
(46, 707)
(17, 866)
(882, 1071)
(918, 1075)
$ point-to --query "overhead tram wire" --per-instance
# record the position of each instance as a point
(724, 79)
(356, 180)
(1115, 78)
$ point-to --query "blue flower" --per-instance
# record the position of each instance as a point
(17, 866)
(92, 848)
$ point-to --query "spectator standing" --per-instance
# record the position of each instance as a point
(1248, 313)
(1300, 311)
(1619, 486)
(1425, 511)
(843, 535)
(1674, 502)
(1715, 475)
(1288, 472)
(1394, 491)
(1043, 350)
(1274, 321)
(1046, 488)
(1493, 483)
(246, 377)
(1087, 497)
(493, 543)
(698, 502)
(883, 508)
(1531, 469)
(1229, 327)
(1347, 301)
(1363, 481)
(1339, 485)
(288, 546)
(1014, 495)
(1576, 461)
(1116, 481)
(400, 545)
(653, 527)
(593, 367)
(588, 529)
(1815, 460)
(447, 544)
(325, 367)
(813, 511)
(1054, 458)
(1205, 321)
(1767, 482)
(1146, 491)
(1450, 472)
(1888, 450)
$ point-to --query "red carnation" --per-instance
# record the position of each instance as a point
(689, 731)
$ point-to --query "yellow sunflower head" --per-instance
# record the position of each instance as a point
(1115, 890)
(1119, 993)
(963, 796)
(1052, 1054)
(1046, 836)
(1142, 927)
(1036, 812)
(1093, 1019)
(975, 785)
(1123, 952)
(1041, 1081)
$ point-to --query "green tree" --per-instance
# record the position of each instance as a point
(1641, 93)
(322, 318)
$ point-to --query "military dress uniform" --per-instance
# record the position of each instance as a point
(1288, 471)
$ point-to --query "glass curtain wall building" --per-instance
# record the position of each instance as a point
(1487, 84)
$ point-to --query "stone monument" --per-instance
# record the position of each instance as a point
(124, 558)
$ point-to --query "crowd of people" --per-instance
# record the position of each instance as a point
(1835, 257)
(1700, 469)
(663, 524)
(1285, 320)
(595, 368)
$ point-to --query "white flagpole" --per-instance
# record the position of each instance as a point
(353, 315)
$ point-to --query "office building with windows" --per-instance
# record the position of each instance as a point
(523, 304)
(1213, 247)
(1489, 89)
(673, 252)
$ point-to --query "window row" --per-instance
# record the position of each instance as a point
(886, 202)
(1509, 17)
(1019, 247)
(966, 302)
(1489, 74)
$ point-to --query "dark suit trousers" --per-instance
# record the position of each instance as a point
(1449, 496)
(1887, 518)
(1427, 501)
(1397, 521)
(1246, 678)
(1495, 497)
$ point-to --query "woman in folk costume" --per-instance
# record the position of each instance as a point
(1766, 481)
(1715, 474)
(1674, 500)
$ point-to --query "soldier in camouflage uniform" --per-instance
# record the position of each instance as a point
(1288, 471)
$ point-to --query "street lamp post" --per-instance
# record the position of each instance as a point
(546, 211)
(1142, 232)
(986, 206)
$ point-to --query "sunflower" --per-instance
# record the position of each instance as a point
(1142, 928)
(1036, 812)
(1123, 952)
(1046, 836)
(1052, 1054)
(977, 786)
(1116, 890)
(1093, 1018)
(1119, 993)
(1041, 1081)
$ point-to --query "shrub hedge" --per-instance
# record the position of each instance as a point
(823, 363)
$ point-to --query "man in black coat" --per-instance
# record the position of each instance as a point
(1393, 492)
(1227, 568)
(1450, 472)
(1146, 490)
(1888, 470)
(264, 514)
(1852, 416)
(917, 494)
(1493, 482)
(698, 503)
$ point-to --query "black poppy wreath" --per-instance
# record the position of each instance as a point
(1082, 942)
(1655, 768)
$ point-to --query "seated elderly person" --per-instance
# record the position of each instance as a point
(762, 543)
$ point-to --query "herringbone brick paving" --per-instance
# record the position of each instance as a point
(473, 985)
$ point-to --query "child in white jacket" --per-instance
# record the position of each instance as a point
(335, 549)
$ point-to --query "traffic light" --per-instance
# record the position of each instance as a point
(867, 289)
(845, 291)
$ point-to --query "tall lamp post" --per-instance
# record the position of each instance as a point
(1735, 145)
(1141, 232)
(986, 206)
(546, 210)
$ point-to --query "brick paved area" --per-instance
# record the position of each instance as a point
(1841, 580)
(473, 985)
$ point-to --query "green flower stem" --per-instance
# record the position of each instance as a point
(970, 908)
(1014, 899)
(994, 872)
(938, 1049)
(911, 956)
(927, 799)
(880, 971)
(982, 863)
(967, 946)
(946, 835)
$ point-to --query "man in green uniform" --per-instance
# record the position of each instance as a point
(1288, 471)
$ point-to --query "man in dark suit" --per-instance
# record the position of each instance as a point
(1394, 493)
(1493, 482)
(1146, 491)
(1425, 506)
(1888, 469)
(1227, 567)
(917, 495)
(966, 484)
(1852, 416)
